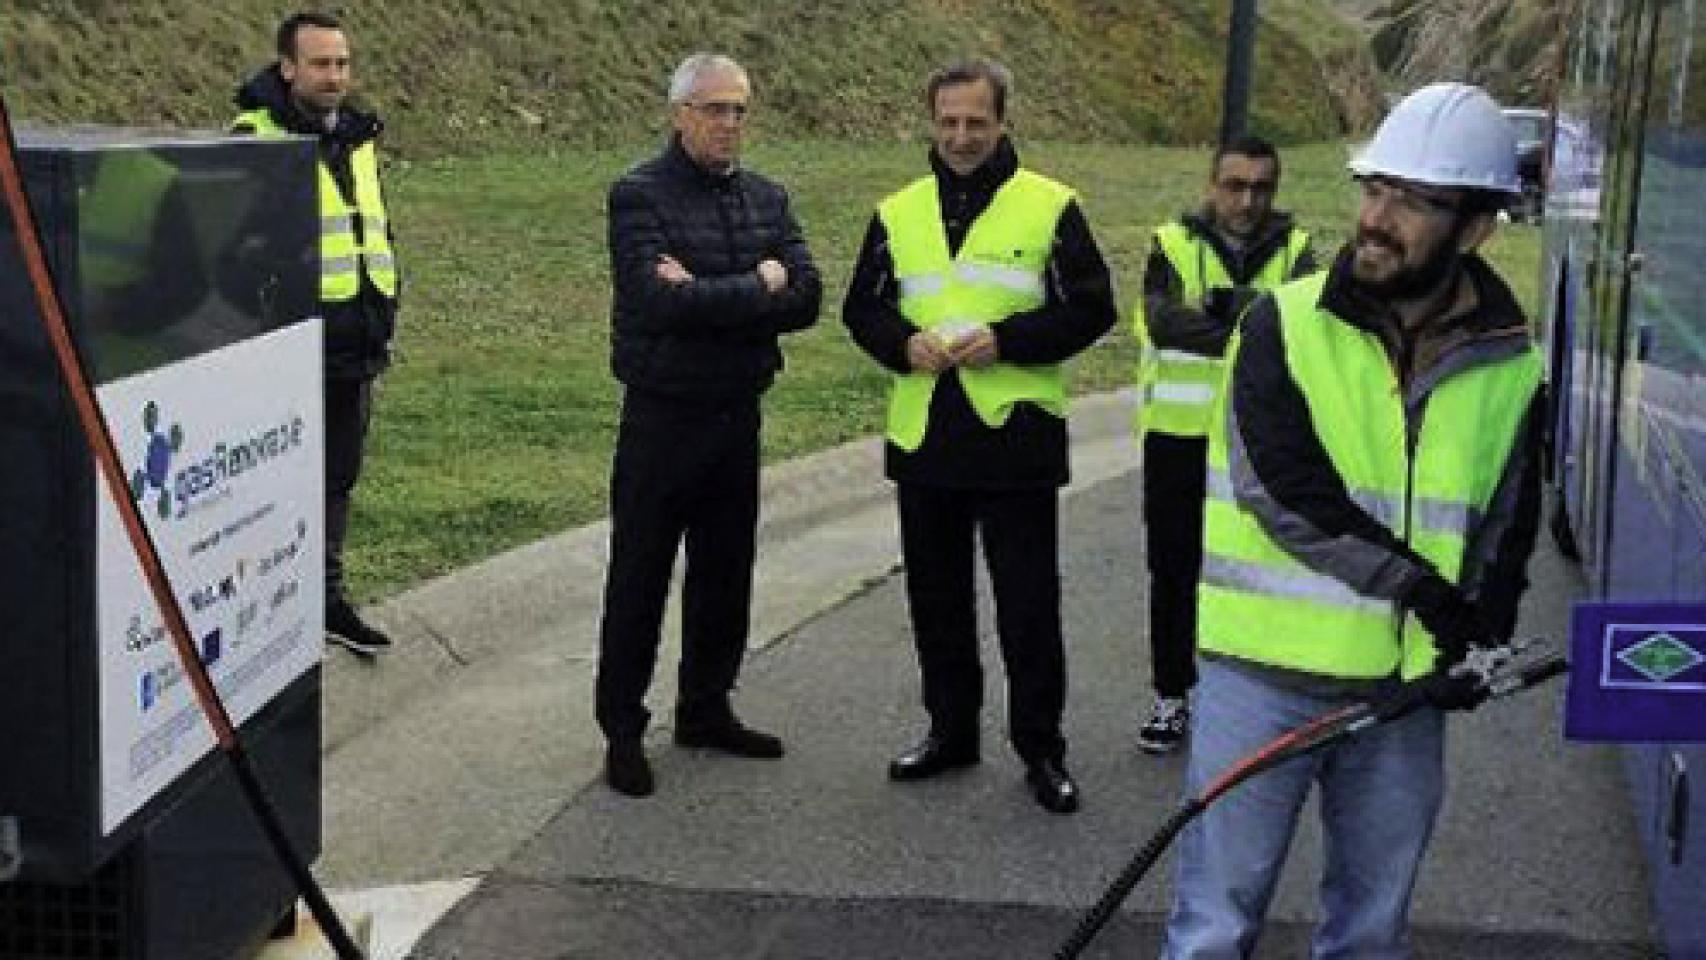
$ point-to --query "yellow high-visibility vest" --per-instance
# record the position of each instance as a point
(1178, 387)
(998, 273)
(1258, 603)
(343, 260)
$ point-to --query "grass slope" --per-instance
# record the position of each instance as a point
(454, 77)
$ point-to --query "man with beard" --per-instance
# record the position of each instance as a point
(1373, 500)
(307, 92)
(1205, 268)
(973, 286)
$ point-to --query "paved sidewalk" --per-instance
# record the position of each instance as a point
(471, 754)
(442, 758)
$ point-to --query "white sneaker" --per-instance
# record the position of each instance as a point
(1162, 733)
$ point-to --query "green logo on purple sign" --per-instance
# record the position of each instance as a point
(1661, 657)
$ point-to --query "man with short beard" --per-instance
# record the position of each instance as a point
(1373, 500)
(1205, 269)
(307, 92)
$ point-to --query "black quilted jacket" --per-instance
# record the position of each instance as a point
(715, 336)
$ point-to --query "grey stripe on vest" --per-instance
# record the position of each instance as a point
(1431, 514)
(337, 265)
(381, 261)
(1288, 584)
(1011, 278)
(1368, 568)
(1185, 394)
(1186, 358)
(337, 223)
(922, 285)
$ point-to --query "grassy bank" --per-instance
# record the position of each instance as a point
(495, 426)
(524, 74)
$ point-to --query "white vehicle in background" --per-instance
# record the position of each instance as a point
(1532, 127)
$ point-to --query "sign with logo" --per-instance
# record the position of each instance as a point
(1637, 673)
(226, 463)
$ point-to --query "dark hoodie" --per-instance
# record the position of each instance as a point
(1175, 325)
(959, 450)
(357, 331)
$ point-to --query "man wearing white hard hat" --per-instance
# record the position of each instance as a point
(1373, 498)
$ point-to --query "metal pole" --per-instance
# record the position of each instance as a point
(1240, 70)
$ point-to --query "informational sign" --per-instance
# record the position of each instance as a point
(225, 460)
(1637, 673)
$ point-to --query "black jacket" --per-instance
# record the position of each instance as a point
(959, 451)
(358, 331)
(1281, 472)
(714, 337)
(1175, 325)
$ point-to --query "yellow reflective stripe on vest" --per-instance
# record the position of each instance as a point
(1177, 388)
(999, 272)
(1260, 598)
(343, 259)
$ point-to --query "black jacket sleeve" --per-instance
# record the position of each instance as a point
(1173, 324)
(1495, 565)
(797, 306)
(713, 305)
(1306, 263)
(871, 310)
(1079, 306)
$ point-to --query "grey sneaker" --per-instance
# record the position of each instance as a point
(1165, 729)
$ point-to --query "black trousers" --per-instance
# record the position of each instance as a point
(349, 410)
(1020, 535)
(686, 472)
(1174, 474)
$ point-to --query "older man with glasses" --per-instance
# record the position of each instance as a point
(709, 267)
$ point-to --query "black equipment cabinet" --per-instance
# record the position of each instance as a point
(171, 251)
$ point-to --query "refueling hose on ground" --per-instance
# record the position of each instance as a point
(99, 439)
(1499, 672)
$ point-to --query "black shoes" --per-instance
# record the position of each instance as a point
(346, 628)
(627, 770)
(1052, 786)
(933, 755)
(730, 736)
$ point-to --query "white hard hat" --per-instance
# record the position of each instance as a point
(1445, 134)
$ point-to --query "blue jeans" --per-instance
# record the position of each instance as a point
(1380, 794)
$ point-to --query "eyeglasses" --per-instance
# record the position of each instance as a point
(721, 109)
(1261, 188)
(1407, 198)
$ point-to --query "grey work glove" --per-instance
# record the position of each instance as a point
(1454, 689)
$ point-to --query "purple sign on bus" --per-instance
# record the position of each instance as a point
(1637, 673)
